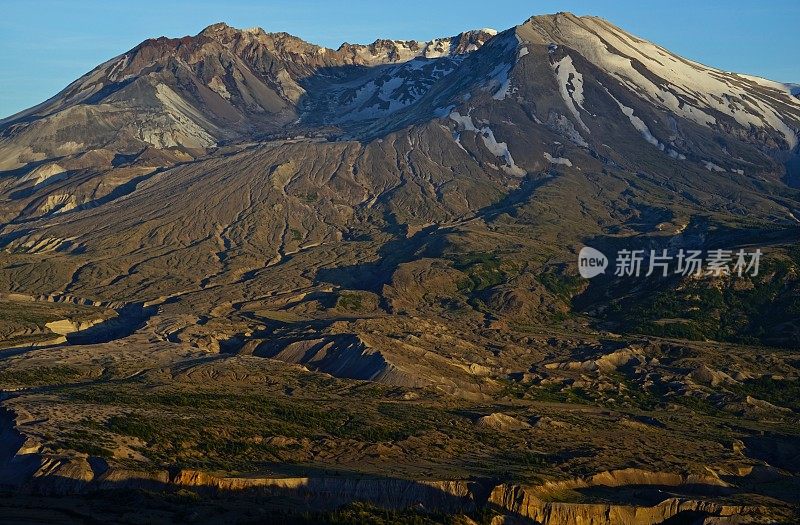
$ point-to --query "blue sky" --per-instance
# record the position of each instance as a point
(46, 44)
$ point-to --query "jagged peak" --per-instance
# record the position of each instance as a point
(215, 28)
(382, 49)
(483, 32)
(222, 28)
(225, 33)
(385, 50)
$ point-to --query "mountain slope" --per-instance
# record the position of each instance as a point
(448, 129)
(195, 92)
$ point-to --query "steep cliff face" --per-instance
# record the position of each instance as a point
(541, 504)
(550, 513)
(65, 476)
(31, 472)
(443, 496)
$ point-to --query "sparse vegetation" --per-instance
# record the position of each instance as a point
(749, 310)
(223, 436)
(35, 376)
(483, 271)
(781, 392)
(562, 285)
(350, 301)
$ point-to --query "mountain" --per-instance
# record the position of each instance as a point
(172, 100)
(247, 223)
(193, 93)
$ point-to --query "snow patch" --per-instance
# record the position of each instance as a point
(499, 78)
(405, 50)
(565, 126)
(498, 149)
(642, 128)
(115, 71)
(557, 160)
(710, 166)
(464, 120)
(570, 85)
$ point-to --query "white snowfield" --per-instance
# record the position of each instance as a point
(686, 88)
(557, 160)
(397, 87)
(642, 128)
(569, 76)
(498, 149)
